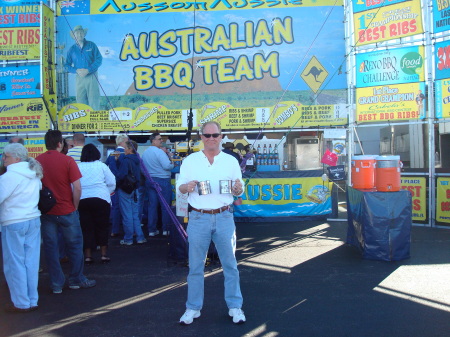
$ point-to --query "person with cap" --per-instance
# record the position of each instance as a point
(228, 148)
(84, 59)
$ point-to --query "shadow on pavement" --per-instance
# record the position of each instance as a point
(297, 278)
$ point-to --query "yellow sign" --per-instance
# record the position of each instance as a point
(151, 116)
(125, 6)
(314, 74)
(19, 43)
(443, 200)
(48, 83)
(390, 102)
(35, 146)
(388, 22)
(23, 115)
(417, 188)
(81, 117)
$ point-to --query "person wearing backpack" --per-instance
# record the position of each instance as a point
(129, 171)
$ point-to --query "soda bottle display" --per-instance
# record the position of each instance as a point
(270, 151)
(275, 156)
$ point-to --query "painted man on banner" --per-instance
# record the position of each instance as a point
(84, 59)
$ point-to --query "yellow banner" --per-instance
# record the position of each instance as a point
(281, 191)
(35, 146)
(126, 6)
(417, 188)
(81, 117)
(19, 43)
(443, 200)
(48, 83)
(442, 98)
(388, 22)
(390, 102)
(284, 197)
(23, 115)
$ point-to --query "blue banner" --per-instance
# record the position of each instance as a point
(442, 60)
(441, 16)
(20, 82)
(364, 5)
(17, 13)
(391, 66)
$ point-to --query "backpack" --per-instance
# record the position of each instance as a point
(46, 200)
(129, 183)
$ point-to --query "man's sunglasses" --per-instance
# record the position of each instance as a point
(208, 135)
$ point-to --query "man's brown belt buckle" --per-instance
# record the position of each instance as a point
(211, 211)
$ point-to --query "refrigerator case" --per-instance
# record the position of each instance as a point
(307, 153)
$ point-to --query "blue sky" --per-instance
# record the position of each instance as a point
(108, 32)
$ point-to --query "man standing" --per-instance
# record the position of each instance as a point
(62, 177)
(211, 218)
(159, 165)
(111, 162)
(84, 59)
(75, 151)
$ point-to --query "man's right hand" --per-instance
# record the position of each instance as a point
(189, 187)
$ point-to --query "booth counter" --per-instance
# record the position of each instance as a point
(282, 196)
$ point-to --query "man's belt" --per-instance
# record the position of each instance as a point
(211, 211)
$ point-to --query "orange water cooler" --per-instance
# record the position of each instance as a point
(363, 172)
(388, 173)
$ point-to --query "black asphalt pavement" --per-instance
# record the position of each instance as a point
(297, 278)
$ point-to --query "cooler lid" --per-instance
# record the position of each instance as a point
(364, 157)
(388, 158)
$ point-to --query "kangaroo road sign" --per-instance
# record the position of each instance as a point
(314, 74)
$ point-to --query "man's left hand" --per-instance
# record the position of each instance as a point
(237, 187)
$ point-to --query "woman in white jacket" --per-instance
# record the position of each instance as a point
(21, 226)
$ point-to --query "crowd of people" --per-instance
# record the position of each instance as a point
(94, 201)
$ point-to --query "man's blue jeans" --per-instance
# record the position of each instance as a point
(220, 228)
(73, 238)
(21, 246)
(154, 203)
(129, 207)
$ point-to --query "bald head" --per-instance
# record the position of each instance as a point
(78, 139)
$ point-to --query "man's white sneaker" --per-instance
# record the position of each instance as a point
(237, 314)
(189, 316)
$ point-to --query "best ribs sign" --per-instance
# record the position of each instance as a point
(387, 22)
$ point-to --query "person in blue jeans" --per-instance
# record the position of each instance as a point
(21, 227)
(111, 162)
(62, 177)
(129, 203)
(211, 218)
(159, 165)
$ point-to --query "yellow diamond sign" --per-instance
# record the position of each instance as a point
(314, 74)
